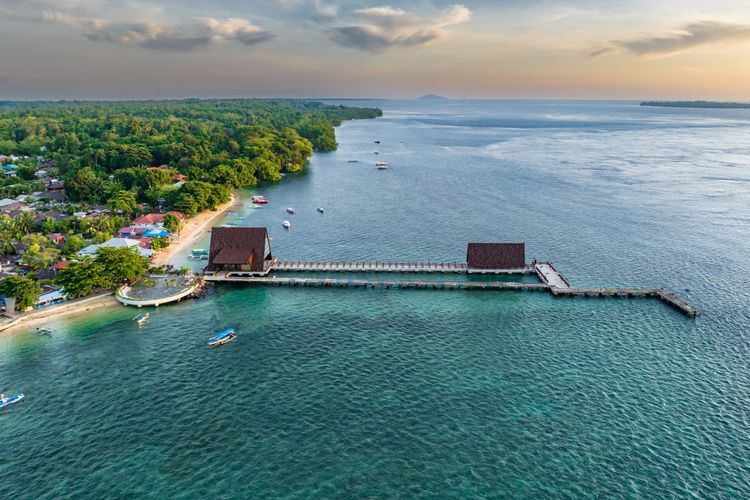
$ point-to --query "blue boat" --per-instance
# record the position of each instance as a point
(222, 338)
(9, 401)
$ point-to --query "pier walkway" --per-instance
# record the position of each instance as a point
(658, 293)
(551, 276)
(382, 267)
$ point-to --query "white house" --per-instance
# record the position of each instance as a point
(115, 242)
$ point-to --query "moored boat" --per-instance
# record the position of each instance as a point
(286, 224)
(9, 401)
(198, 254)
(44, 331)
(141, 319)
(254, 205)
(381, 165)
(320, 209)
(222, 338)
(290, 210)
(259, 200)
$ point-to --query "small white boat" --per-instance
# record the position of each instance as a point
(9, 401)
(290, 210)
(44, 331)
(255, 205)
(222, 338)
(381, 165)
(141, 319)
(320, 209)
(286, 224)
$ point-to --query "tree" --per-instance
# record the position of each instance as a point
(124, 202)
(159, 243)
(120, 264)
(172, 223)
(79, 278)
(25, 290)
(112, 266)
(72, 245)
(85, 185)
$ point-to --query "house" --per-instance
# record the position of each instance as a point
(148, 220)
(91, 250)
(177, 214)
(13, 209)
(58, 195)
(160, 167)
(179, 178)
(50, 295)
(245, 250)
(7, 201)
(55, 185)
(157, 233)
(56, 238)
(42, 216)
(495, 256)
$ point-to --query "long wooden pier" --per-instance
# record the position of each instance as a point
(561, 291)
(363, 266)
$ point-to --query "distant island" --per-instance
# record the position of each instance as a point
(432, 97)
(697, 104)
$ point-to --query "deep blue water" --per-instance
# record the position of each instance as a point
(341, 393)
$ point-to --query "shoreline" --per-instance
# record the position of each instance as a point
(51, 314)
(40, 317)
(192, 231)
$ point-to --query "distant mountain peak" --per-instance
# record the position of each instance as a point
(428, 97)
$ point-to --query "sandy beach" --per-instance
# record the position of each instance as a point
(192, 230)
(48, 316)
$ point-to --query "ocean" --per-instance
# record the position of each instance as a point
(342, 393)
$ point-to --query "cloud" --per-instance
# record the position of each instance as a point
(381, 28)
(687, 37)
(163, 36)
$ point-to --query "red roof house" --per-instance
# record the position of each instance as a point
(149, 219)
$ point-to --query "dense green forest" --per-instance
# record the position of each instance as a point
(102, 149)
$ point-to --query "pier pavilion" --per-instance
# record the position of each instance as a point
(241, 250)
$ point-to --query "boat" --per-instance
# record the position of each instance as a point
(320, 209)
(290, 210)
(44, 331)
(353, 161)
(9, 401)
(222, 338)
(381, 165)
(254, 205)
(198, 254)
(141, 319)
(377, 142)
(286, 224)
(259, 200)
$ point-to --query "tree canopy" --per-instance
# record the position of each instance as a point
(104, 148)
(25, 290)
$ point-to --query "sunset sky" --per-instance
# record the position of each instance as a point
(87, 49)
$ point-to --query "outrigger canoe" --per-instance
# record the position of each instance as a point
(222, 338)
(10, 401)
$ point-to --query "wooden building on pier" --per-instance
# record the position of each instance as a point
(494, 256)
(242, 250)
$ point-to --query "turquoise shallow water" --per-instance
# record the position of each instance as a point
(341, 393)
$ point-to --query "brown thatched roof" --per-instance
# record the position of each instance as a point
(234, 246)
(496, 255)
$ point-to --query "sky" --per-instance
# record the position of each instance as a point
(571, 49)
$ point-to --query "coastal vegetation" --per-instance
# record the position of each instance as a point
(110, 267)
(76, 173)
(697, 104)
